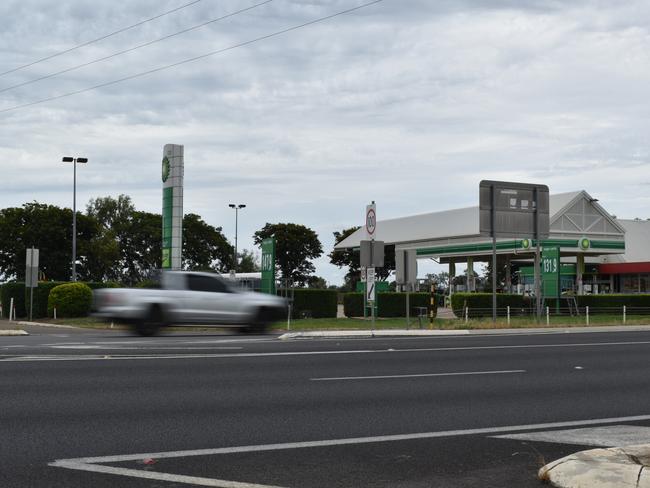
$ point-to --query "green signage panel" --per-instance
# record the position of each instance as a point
(268, 266)
(551, 272)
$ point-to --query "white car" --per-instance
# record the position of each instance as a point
(188, 298)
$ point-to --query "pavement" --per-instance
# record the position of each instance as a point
(610, 467)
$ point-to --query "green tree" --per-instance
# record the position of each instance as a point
(49, 229)
(317, 282)
(248, 262)
(296, 245)
(204, 246)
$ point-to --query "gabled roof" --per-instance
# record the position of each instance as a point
(461, 222)
(637, 237)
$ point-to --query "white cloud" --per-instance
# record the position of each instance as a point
(406, 103)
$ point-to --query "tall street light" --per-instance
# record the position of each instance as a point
(74, 161)
(237, 208)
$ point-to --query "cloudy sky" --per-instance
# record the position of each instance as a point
(406, 102)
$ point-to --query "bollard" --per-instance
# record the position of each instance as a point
(466, 314)
(547, 317)
(11, 307)
(54, 313)
(432, 303)
(508, 314)
(624, 313)
(587, 313)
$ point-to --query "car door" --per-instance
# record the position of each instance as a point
(211, 299)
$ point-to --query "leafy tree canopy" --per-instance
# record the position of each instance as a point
(296, 245)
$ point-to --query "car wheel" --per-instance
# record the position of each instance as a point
(259, 324)
(152, 323)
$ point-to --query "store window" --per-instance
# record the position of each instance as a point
(630, 284)
(644, 283)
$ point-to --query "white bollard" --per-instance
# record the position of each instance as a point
(547, 317)
(587, 313)
(466, 314)
(508, 314)
(54, 313)
(624, 313)
(11, 307)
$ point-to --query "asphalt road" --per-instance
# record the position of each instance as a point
(239, 411)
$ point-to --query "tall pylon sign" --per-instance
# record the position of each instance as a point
(172, 207)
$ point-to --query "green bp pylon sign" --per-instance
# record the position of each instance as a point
(172, 206)
(268, 266)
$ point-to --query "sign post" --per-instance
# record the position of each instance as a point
(31, 276)
(372, 255)
(514, 210)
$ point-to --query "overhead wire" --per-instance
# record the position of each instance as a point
(119, 31)
(195, 58)
(134, 48)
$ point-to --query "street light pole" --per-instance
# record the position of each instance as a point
(237, 208)
(74, 161)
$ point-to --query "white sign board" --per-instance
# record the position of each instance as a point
(31, 268)
(371, 221)
(370, 284)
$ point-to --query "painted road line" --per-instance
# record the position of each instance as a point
(97, 464)
(154, 475)
(314, 353)
(422, 375)
(355, 440)
(609, 436)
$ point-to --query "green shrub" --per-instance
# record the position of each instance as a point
(480, 304)
(391, 304)
(313, 303)
(353, 304)
(70, 300)
(15, 290)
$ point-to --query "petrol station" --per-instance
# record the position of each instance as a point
(587, 249)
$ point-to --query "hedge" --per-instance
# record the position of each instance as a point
(70, 300)
(389, 304)
(313, 303)
(480, 304)
(596, 302)
(392, 304)
(15, 290)
(353, 304)
(96, 285)
(41, 294)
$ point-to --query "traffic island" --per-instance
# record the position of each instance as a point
(614, 467)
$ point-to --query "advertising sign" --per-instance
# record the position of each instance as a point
(550, 272)
(268, 266)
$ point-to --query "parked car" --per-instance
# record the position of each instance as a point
(188, 298)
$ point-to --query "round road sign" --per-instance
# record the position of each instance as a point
(371, 221)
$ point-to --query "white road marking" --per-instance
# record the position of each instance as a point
(422, 375)
(316, 353)
(153, 475)
(609, 436)
(92, 464)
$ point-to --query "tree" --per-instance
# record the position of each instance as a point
(295, 246)
(346, 257)
(248, 262)
(49, 229)
(317, 282)
(204, 247)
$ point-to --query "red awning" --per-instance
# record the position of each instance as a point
(624, 268)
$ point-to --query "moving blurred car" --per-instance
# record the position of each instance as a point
(188, 298)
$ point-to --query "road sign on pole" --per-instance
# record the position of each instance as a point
(371, 220)
(31, 275)
(370, 285)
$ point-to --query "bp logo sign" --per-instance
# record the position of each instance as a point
(584, 243)
(525, 243)
(165, 169)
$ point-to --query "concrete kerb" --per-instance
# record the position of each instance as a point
(601, 468)
(368, 333)
(44, 324)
